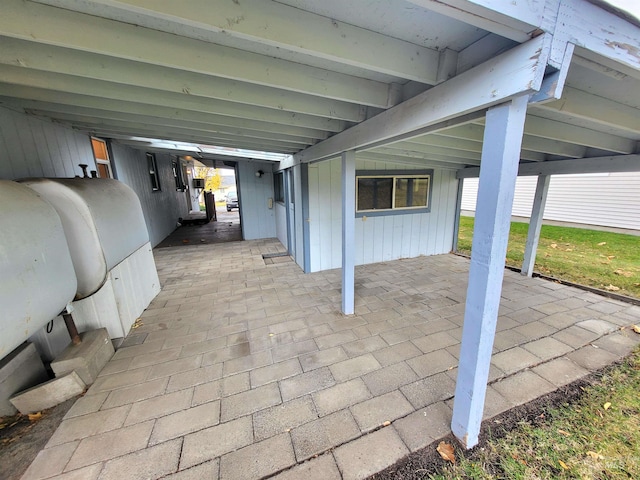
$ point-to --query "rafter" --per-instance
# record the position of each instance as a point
(513, 20)
(181, 125)
(55, 26)
(519, 70)
(95, 88)
(285, 30)
(36, 57)
(617, 163)
(577, 103)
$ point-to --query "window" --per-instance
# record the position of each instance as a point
(101, 155)
(153, 172)
(278, 187)
(177, 176)
(387, 193)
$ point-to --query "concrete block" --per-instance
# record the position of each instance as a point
(19, 370)
(86, 359)
(48, 394)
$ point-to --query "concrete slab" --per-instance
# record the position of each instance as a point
(86, 359)
(20, 370)
(48, 394)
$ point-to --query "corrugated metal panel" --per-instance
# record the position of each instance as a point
(606, 199)
(381, 238)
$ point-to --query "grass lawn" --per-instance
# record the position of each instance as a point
(596, 438)
(609, 261)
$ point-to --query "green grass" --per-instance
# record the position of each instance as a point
(605, 260)
(596, 438)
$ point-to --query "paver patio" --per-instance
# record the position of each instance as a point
(243, 369)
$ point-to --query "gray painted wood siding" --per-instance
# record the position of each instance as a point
(606, 199)
(32, 147)
(258, 220)
(161, 208)
(380, 238)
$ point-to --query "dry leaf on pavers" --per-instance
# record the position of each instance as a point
(602, 243)
(386, 424)
(635, 328)
(607, 405)
(35, 416)
(138, 323)
(446, 451)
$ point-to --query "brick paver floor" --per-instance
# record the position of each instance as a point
(243, 369)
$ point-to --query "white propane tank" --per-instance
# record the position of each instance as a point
(102, 220)
(37, 278)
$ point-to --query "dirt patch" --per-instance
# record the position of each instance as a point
(427, 461)
(21, 439)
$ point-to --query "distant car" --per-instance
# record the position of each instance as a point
(232, 201)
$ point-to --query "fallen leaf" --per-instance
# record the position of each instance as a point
(562, 432)
(594, 455)
(612, 288)
(35, 416)
(554, 245)
(569, 250)
(623, 273)
(635, 328)
(446, 451)
(563, 465)
(386, 424)
(602, 243)
(607, 405)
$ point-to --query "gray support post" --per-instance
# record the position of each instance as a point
(535, 224)
(498, 171)
(348, 230)
(456, 221)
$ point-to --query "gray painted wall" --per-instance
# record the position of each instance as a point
(161, 208)
(31, 147)
(34, 147)
(258, 220)
(383, 238)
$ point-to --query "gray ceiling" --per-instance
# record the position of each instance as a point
(282, 76)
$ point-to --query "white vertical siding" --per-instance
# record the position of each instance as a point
(258, 220)
(380, 238)
(606, 199)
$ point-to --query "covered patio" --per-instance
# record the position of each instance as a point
(246, 369)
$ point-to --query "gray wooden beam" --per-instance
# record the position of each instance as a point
(535, 224)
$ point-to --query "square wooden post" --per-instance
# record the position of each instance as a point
(348, 230)
(535, 224)
(498, 171)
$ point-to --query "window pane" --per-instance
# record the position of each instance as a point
(402, 189)
(419, 192)
(374, 193)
